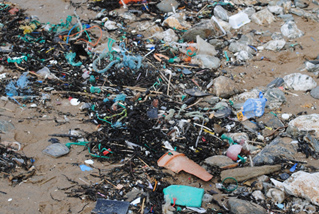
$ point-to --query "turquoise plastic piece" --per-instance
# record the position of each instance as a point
(70, 58)
(185, 195)
(95, 90)
(230, 140)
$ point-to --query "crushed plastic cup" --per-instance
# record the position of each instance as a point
(238, 20)
(74, 102)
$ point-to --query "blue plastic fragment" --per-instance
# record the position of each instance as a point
(120, 97)
(85, 168)
(293, 168)
(280, 206)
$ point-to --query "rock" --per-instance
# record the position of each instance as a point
(56, 150)
(279, 148)
(204, 48)
(237, 46)
(243, 97)
(133, 194)
(300, 4)
(258, 195)
(243, 56)
(275, 45)
(276, 9)
(272, 121)
(299, 82)
(173, 22)
(205, 29)
(238, 206)
(315, 92)
(304, 124)
(166, 5)
(301, 184)
(312, 141)
(276, 195)
(207, 61)
(218, 160)
(241, 174)
(5, 126)
(212, 100)
(224, 87)
(252, 127)
(221, 13)
(262, 17)
(168, 36)
(290, 30)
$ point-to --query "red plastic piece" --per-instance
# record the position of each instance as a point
(131, 1)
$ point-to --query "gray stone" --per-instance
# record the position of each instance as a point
(279, 148)
(224, 87)
(276, 195)
(300, 4)
(5, 126)
(252, 127)
(258, 195)
(290, 30)
(212, 100)
(221, 13)
(315, 92)
(312, 141)
(237, 46)
(219, 160)
(208, 61)
(218, 44)
(304, 124)
(238, 206)
(56, 150)
(243, 97)
(245, 173)
(272, 121)
(166, 5)
(299, 82)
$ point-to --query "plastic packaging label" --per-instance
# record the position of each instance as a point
(255, 107)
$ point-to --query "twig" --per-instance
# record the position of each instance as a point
(75, 92)
(169, 83)
(142, 211)
(194, 103)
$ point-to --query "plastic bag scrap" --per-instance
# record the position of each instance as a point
(254, 107)
(19, 87)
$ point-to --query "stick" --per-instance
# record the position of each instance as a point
(169, 83)
(74, 92)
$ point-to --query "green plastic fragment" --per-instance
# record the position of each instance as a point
(185, 195)
(95, 90)
(226, 56)
(224, 137)
(70, 58)
(92, 79)
(17, 60)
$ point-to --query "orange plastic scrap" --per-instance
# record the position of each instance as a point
(159, 56)
(179, 162)
(131, 1)
(190, 51)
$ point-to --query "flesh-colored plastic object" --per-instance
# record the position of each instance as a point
(233, 151)
(177, 162)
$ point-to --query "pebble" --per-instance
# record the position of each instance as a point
(315, 92)
(238, 206)
(56, 150)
